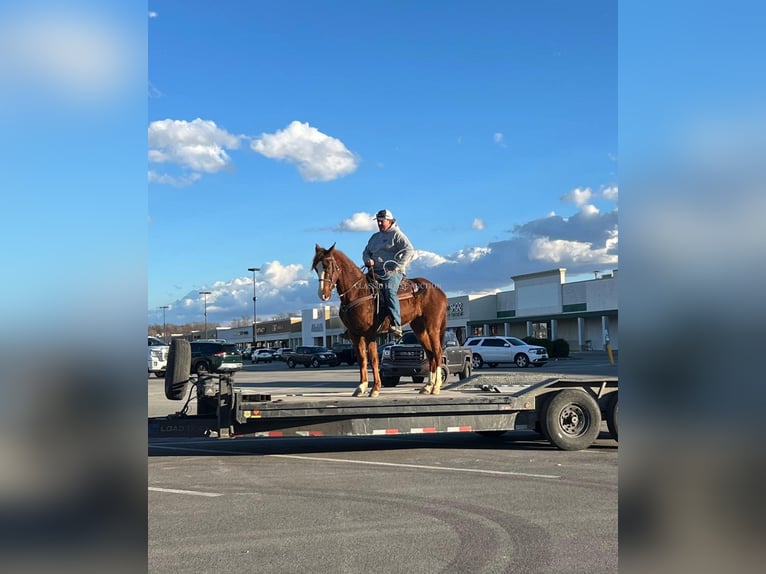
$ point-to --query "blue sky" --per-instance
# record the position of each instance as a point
(488, 128)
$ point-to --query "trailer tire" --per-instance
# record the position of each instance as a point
(571, 420)
(178, 371)
(612, 415)
(542, 407)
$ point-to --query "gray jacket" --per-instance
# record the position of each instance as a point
(390, 248)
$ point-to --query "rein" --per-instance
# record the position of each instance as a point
(334, 282)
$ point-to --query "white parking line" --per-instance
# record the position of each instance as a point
(377, 463)
(420, 466)
(177, 491)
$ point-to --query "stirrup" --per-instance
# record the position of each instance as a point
(395, 331)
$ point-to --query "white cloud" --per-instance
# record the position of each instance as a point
(499, 139)
(472, 254)
(180, 181)
(428, 259)
(610, 193)
(360, 221)
(152, 14)
(578, 196)
(278, 275)
(317, 156)
(589, 210)
(199, 145)
(477, 224)
(576, 252)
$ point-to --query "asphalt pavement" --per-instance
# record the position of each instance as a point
(456, 502)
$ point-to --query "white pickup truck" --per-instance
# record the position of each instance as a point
(158, 356)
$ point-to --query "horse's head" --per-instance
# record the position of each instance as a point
(327, 271)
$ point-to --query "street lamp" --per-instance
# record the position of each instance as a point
(164, 331)
(255, 336)
(205, 293)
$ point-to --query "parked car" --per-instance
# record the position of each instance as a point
(314, 356)
(262, 356)
(158, 356)
(346, 352)
(496, 350)
(210, 357)
(281, 353)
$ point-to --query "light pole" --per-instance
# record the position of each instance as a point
(164, 335)
(205, 293)
(255, 335)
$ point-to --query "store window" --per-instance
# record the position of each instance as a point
(541, 330)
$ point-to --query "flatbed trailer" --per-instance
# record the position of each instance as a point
(566, 410)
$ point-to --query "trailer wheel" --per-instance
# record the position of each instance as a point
(466, 372)
(389, 381)
(611, 416)
(571, 420)
(178, 371)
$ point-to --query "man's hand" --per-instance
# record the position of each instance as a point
(370, 264)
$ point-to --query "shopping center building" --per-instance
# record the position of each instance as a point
(541, 305)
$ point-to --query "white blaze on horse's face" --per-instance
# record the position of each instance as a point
(321, 290)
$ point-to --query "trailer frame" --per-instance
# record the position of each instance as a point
(566, 410)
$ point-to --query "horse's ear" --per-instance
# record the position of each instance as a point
(318, 248)
(332, 247)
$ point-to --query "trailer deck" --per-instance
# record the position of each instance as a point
(489, 404)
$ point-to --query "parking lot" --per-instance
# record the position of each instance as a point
(456, 502)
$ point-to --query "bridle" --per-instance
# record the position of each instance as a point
(334, 269)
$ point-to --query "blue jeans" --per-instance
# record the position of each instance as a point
(391, 282)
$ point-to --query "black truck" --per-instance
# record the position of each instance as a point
(407, 358)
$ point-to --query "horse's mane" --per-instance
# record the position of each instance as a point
(341, 258)
(338, 254)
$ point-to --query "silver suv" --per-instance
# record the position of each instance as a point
(496, 350)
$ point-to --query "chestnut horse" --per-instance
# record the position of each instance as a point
(423, 306)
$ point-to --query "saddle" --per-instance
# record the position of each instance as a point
(407, 288)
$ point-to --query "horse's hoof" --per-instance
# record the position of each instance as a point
(425, 391)
(357, 392)
(436, 391)
(374, 394)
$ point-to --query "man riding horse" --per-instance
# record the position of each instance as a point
(387, 254)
